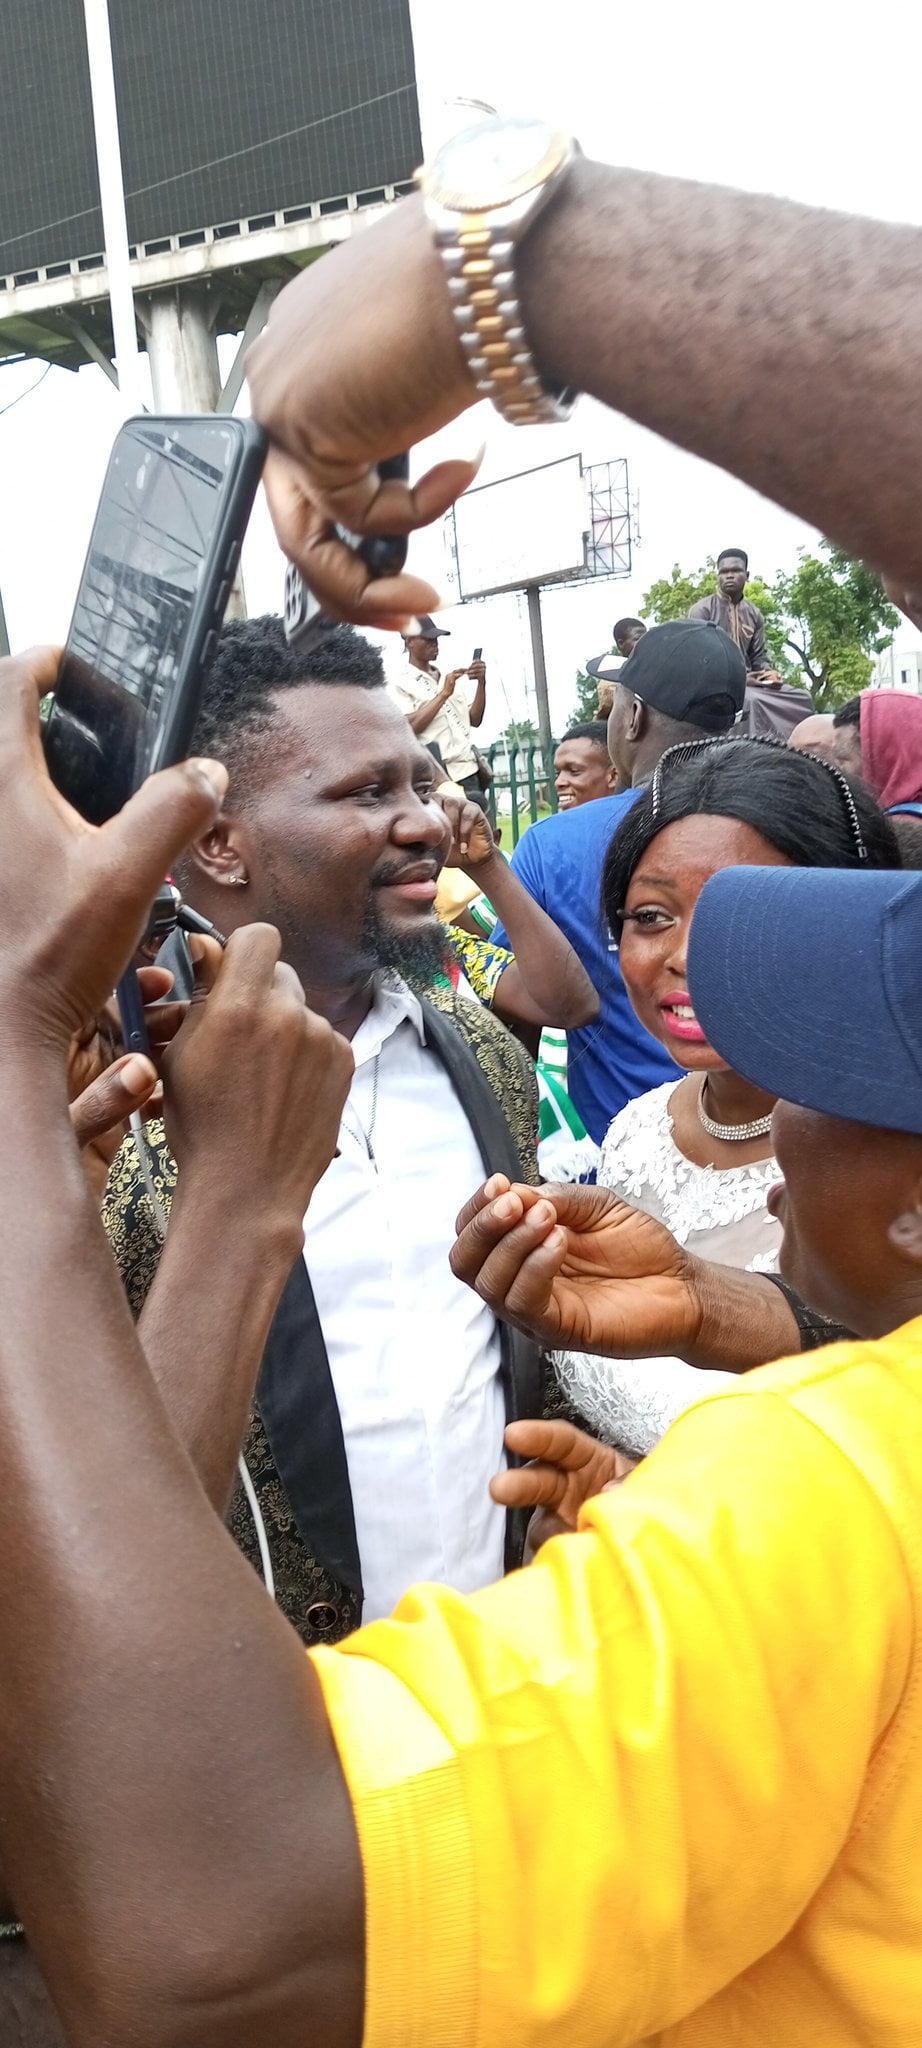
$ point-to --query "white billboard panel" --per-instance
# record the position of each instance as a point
(530, 528)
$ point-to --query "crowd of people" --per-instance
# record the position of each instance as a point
(448, 1602)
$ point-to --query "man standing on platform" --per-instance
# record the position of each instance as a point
(440, 709)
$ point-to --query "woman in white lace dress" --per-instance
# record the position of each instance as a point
(696, 1153)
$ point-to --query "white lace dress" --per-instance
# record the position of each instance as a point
(719, 1213)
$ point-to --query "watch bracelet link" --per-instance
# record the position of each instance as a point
(478, 262)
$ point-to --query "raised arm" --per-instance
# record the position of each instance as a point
(547, 982)
(189, 1779)
(421, 715)
(252, 1139)
(478, 704)
(814, 405)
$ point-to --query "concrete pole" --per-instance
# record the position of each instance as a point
(112, 200)
(183, 350)
(185, 373)
(533, 593)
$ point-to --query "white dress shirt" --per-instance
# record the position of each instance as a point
(414, 1354)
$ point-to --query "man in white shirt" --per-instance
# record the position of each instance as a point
(441, 709)
(386, 1383)
(415, 1366)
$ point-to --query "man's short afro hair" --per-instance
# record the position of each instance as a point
(253, 664)
(595, 729)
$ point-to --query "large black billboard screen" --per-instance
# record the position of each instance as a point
(228, 109)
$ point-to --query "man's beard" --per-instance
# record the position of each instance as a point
(419, 956)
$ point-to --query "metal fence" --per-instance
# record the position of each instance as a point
(523, 788)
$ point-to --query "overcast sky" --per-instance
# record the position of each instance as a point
(785, 98)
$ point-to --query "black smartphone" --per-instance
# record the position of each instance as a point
(163, 554)
(162, 557)
(383, 555)
(477, 655)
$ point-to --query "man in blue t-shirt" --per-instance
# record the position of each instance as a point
(684, 681)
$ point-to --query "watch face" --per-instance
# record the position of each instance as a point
(493, 162)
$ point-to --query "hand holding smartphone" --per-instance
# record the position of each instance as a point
(162, 558)
(163, 554)
(382, 554)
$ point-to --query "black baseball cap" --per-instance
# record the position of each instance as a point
(425, 628)
(809, 982)
(690, 670)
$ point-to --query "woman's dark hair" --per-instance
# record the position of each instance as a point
(813, 814)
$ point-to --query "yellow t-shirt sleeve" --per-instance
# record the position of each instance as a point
(590, 1796)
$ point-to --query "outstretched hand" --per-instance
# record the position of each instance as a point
(577, 1268)
(344, 375)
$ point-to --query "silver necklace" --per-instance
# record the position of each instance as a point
(731, 1133)
(365, 1132)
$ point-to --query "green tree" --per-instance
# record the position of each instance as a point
(672, 596)
(824, 621)
(838, 618)
(518, 734)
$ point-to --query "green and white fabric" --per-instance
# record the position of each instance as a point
(565, 1149)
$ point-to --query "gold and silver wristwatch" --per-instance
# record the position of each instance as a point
(482, 191)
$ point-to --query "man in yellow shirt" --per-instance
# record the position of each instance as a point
(665, 1784)
(667, 1788)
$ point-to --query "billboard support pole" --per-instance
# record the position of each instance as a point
(112, 199)
(533, 593)
(182, 349)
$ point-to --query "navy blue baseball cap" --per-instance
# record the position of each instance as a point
(809, 982)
